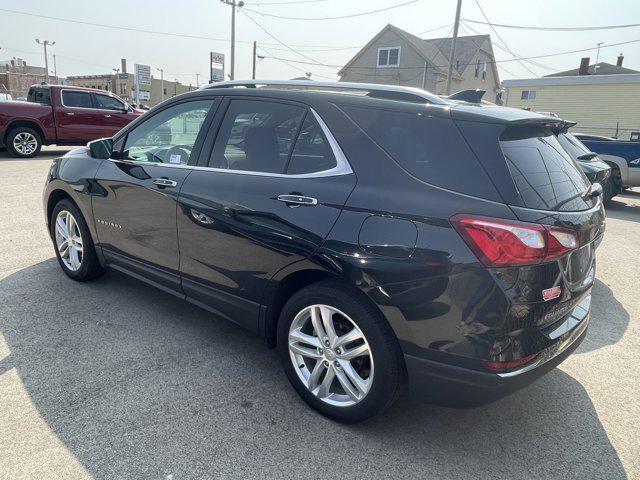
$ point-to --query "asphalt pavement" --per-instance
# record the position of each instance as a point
(114, 379)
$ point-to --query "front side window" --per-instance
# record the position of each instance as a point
(389, 57)
(256, 136)
(168, 136)
(106, 102)
(76, 99)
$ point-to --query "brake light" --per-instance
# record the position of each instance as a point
(505, 243)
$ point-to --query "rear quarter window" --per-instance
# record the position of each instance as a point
(427, 147)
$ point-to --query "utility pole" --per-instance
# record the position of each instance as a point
(116, 71)
(175, 87)
(197, 80)
(161, 83)
(452, 54)
(55, 68)
(233, 4)
(598, 54)
(44, 43)
(253, 75)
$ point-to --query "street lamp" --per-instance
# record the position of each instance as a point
(161, 83)
(115, 71)
(44, 43)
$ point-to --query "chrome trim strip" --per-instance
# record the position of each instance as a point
(342, 164)
(312, 84)
(550, 353)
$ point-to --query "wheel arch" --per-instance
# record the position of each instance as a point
(54, 198)
(24, 123)
(619, 163)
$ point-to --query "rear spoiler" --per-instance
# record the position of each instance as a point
(471, 96)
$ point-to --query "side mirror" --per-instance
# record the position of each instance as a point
(102, 148)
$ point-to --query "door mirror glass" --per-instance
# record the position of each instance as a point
(102, 148)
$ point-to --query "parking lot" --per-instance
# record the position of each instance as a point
(115, 379)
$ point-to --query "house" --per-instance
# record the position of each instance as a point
(602, 98)
(396, 57)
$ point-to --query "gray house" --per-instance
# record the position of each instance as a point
(397, 57)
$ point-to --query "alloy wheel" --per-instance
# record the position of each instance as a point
(331, 355)
(25, 143)
(69, 240)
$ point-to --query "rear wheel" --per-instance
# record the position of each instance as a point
(24, 142)
(339, 353)
(72, 240)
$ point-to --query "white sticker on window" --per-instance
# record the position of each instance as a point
(175, 158)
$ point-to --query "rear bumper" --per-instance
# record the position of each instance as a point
(454, 386)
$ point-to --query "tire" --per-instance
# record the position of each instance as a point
(86, 265)
(381, 369)
(29, 146)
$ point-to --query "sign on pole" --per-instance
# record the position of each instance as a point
(142, 77)
(216, 64)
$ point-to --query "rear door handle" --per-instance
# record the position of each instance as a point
(70, 114)
(107, 116)
(165, 182)
(297, 200)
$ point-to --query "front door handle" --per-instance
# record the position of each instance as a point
(165, 182)
(71, 114)
(107, 116)
(297, 200)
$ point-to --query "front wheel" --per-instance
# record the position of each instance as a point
(73, 243)
(24, 142)
(339, 353)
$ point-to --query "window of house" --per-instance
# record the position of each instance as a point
(528, 95)
(389, 57)
(477, 72)
(484, 71)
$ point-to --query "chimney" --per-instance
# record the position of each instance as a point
(584, 66)
(123, 65)
(620, 60)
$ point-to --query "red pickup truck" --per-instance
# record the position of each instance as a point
(61, 115)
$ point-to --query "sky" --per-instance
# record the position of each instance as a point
(84, 49)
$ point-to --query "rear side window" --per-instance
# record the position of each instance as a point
(311, 152)
(544, 174)
(76, 99)
(429, 148)
(39, 95)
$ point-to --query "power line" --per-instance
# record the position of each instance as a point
(537, 64)
(557, 54)
(503, 42)
(137, 30)
(434, 29)
(285, 3)
(554, 29)
(289, 64)
(331, 18)
(278, 40)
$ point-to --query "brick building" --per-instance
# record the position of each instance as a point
(16, 77)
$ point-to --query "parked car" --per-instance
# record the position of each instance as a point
(623, 156)
(393, 239)
(61, 115)
(5, 97)
(588, 136)
(595, 169)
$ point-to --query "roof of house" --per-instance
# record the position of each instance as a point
(436, 50)
(603, 68)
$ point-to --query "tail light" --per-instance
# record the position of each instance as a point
(506, 243)
(504, 366)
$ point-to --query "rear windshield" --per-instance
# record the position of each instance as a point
(545, 175)
(39, 95)
(429, 148)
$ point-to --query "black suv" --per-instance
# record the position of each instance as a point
(379, 236)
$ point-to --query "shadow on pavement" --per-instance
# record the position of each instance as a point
(49, 152)
(624, 206)
(138, 384)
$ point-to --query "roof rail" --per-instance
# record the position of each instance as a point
(394, 92)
